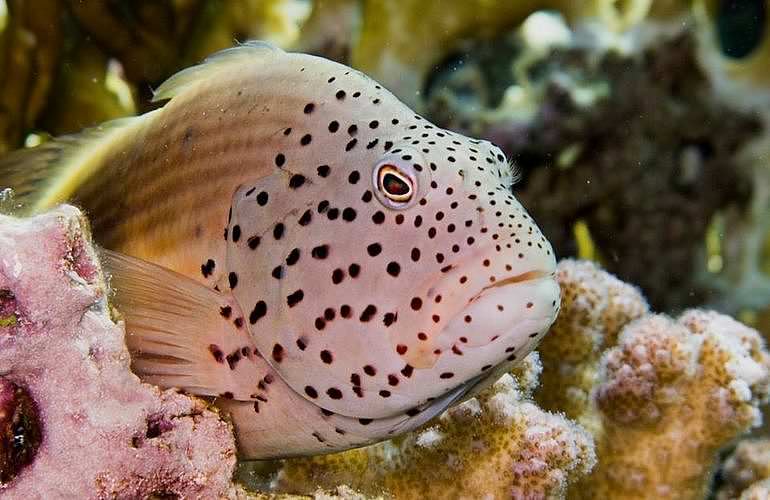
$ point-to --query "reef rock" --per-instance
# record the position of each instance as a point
(74, 421)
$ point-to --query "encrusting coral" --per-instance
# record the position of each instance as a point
(665, 395)
(74, 421)
(497, 445)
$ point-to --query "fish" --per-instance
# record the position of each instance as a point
(285, 236)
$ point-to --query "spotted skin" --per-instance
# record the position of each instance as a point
(343, 315)
(377, 310)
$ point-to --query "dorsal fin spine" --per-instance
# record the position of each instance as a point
(181, 81)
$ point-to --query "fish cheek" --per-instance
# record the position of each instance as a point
(266, 214)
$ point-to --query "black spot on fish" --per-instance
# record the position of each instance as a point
(236, 233)
(374, 249)
(207, 269)
(323, 170)
(349, 214)
(293, 257)
(368, 313)
(278, 231)
(253, 242)
(280, 159)
(277, 353)
(320, 252)
(295, 298)
(306, 218)
(309, 107)
(259, 311)
(296, 181)
(217, 353)
(262, 198)
(233, 279)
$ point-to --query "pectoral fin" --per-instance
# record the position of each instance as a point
(182, 334)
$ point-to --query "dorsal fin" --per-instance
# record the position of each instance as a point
(246, 52)
(49, 174)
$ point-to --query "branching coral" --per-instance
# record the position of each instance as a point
(746, 472)
(74, 421)
(594, 307)
(666, 394)
(498, 445)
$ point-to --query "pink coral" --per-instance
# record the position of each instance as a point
(64, 375)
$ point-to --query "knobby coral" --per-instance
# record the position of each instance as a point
(661, 396)
(74, 421)
(497, 445)
(746, 472)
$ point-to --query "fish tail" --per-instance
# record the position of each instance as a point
(181, 333)
(49, 174)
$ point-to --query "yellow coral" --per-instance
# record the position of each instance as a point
(594, 307)
(661, 397)
(498, 445)
(747, 469)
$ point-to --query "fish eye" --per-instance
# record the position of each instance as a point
(395, 185)
(395, 182)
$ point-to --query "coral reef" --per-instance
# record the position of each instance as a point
(745, 473)
(67, 64)
(497, 445)
(660, 397)
(594, 308)
(654, 153)
(399, 43)
(29, 51)
(74, 420)
(665, 395)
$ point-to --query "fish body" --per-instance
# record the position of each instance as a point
(329, 264)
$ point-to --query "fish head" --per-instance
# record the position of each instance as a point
(385, 262)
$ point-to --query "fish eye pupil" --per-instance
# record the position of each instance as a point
(394, 185)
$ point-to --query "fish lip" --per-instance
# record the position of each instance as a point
(526, 277)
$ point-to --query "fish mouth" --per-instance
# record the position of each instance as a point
(513, 280)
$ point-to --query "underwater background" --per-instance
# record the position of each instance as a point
(640, 132)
